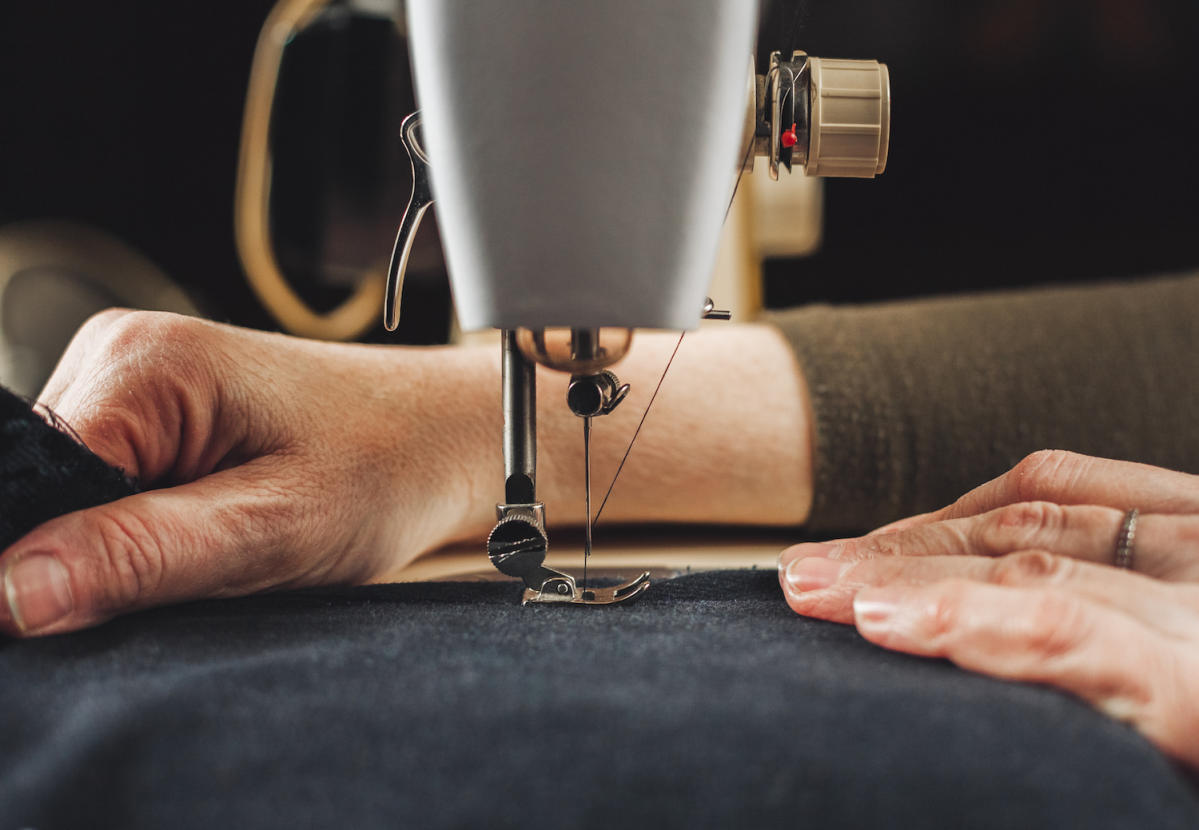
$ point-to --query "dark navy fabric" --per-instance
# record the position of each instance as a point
(706, 703)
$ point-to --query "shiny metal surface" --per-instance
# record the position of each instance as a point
(589, 396)
(518, 544)
(575, 351)
(586, 497)
(562, 590)
(418, 203)
(711, 312)
(1126, 539)
(520, 422)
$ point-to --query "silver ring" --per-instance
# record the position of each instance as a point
(1124, 542)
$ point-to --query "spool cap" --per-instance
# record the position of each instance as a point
(851, 118)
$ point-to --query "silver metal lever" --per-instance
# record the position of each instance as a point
(418, 203)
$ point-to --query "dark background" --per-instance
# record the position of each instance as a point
(1033, 140)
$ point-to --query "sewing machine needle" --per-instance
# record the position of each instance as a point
(587, 491)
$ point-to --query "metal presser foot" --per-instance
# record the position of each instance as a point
(517, 547)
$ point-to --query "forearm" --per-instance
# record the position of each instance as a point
(727, 440)
(916, 402)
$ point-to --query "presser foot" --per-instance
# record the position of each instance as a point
(517, 547)
(561, 588)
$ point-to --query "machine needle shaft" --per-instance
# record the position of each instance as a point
(587, 492)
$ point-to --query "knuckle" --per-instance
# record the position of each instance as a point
(1017, 525)
(943, 615)
(873, 547)
(1056, 624)
(135, 330)
(1185, 531)
(131, 557)
(101, 321)
(93, 333)
(1043, 473)
(854, 550)
(119, 337)
(149, 353)
(124, 330)
(1028, 566)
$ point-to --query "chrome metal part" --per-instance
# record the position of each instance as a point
(575, 351)
(418, 203)
(536, 509)
(785, 100)
(711, 312)
(517, 547)
(772, 87)
(795, 108)
(587, 496)
(520, 422)
(552, 592)
(589, 396)
(518, 543)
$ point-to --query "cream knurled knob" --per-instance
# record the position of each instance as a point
(851, 118)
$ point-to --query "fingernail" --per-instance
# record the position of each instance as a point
(824, 550)
(875, 608)
(813, 573)
(38, 590)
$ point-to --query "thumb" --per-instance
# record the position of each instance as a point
(220, 535)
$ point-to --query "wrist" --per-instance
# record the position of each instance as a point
(440, 429)
(728, 439)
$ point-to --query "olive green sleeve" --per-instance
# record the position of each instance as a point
(916, 402)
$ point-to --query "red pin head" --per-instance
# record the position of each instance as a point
(789, 138)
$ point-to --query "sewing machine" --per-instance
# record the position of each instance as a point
(584, 156)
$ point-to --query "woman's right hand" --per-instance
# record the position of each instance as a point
(268, 462)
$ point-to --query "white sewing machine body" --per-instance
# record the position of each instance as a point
(583, 157)
(593, 150)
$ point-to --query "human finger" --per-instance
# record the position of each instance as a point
(1045, 635)
(156, 395)
(905, 523)
(229, 533)
(83, 344)
(1165, 546)
(1074, 479)
(826, 588)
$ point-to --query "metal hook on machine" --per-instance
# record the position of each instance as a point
(418, 203)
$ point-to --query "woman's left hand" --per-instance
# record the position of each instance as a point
(1014, 580)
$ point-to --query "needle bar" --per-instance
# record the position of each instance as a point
(587, 491)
